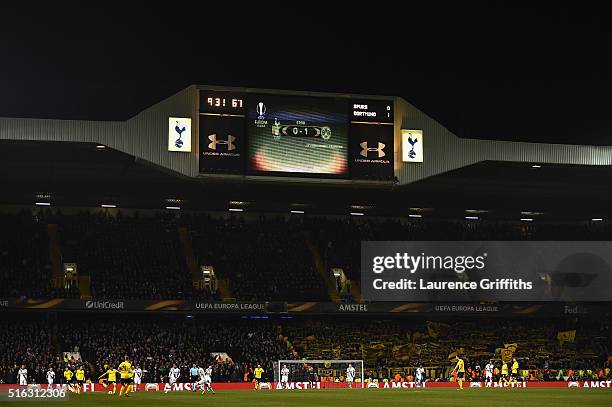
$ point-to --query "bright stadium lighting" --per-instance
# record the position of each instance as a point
(43, 203)
(476, 211)
(100, 147)
(536, 166)
(296, 211)
(361, 207)
(415, 215)
(108, 206)
(236, 210)
(173, 208)
(356, 213)
(531, 213)
(527, 219)
(596, 219)
(472, 217)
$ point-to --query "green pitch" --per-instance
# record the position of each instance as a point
(350, 398)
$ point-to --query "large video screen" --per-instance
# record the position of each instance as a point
(298, 135)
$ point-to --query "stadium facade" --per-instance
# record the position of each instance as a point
(146, 136)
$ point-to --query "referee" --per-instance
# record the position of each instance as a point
(193, 376)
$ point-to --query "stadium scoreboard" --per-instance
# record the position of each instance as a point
(289, 135)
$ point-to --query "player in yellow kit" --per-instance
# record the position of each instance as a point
(460, 369)
(504, 373)
(127, 374)
(68, 377)
(514, 371)
(258, 372)
(80, 378)
(111, 374)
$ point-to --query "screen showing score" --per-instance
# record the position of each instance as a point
(285, 134)
(372, 111)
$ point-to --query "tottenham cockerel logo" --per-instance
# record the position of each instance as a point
(179, 130)
(229, 142)
(365, 149)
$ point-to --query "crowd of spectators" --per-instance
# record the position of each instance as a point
(386, 344)
(339, 239)
(259, 258)
(127, 257)
(155, 344)
(25, 270)
(141, 257)
(26, 339)
(265, 259)
(234, 346)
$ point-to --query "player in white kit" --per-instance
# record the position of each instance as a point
(419, 376)
(284, 373)
(50, 377)
(200, 382)
(137, 378)
(350, 375)
(205, 381)
(174, 375)
(22, 375)
(489, 372)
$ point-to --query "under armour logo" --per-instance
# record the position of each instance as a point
(365, 149)
(229, 142)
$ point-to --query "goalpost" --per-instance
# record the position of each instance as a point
(328, 373)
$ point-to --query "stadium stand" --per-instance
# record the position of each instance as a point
(128, 257)
(158, 343)
(388, 346)
(155, 344)
(24, 256)
(393, 344)
(26, 339)
(262, 258)
(340, 239)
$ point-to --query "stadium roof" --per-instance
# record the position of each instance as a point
(81, 174)
(61, 158)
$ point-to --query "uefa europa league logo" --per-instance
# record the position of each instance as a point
(261, 110)
(412, 153)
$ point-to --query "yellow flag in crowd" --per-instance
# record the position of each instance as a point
(508, 351)
(402, 352)
(456, 353)
(566, 336)
(436, 329)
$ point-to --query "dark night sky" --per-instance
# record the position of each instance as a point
(483, 69)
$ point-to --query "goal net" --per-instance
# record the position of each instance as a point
(308, 374)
